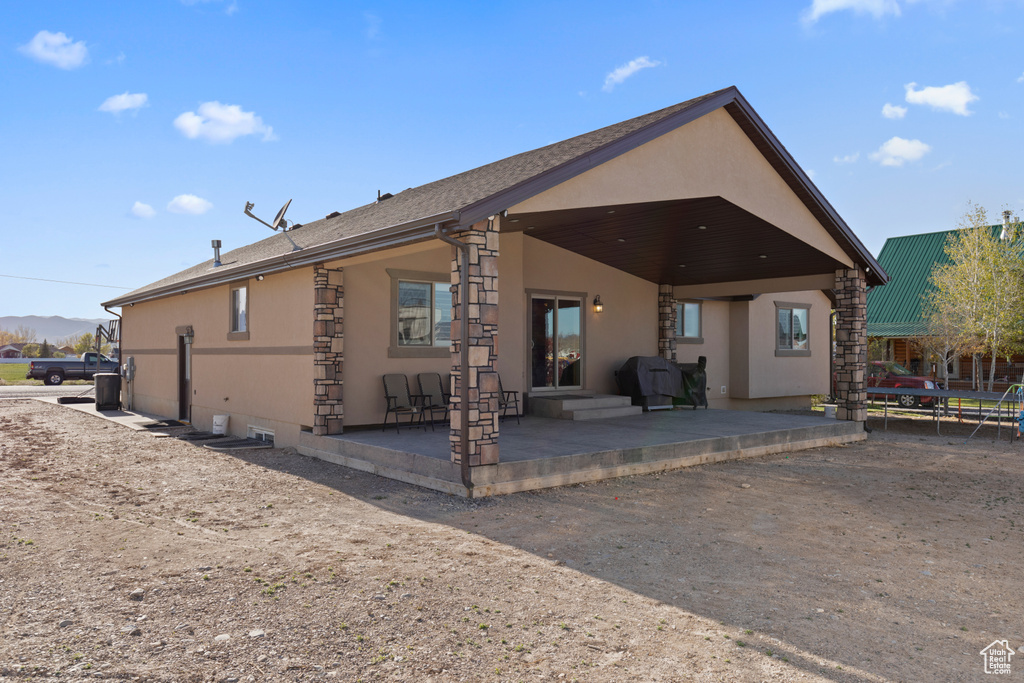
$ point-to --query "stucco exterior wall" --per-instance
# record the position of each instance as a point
(708, 157)
(715, 329)
(756, 372)
(368, 327)
(264, 381)
(627, 327)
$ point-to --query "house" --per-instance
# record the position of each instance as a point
(13, 350)
(897, 317)
(692, 225)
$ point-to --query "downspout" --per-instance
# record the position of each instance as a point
(467, 479)
(120, 324)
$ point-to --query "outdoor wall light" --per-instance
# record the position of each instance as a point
(259, 278)
(598, 306)
(189, 335)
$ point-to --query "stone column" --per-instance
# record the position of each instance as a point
(482, 296)
(328, 350)
(851, 344)
(666, 323)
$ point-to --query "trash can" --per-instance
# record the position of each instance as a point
(108, 390)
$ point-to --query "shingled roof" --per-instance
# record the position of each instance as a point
(463, 199)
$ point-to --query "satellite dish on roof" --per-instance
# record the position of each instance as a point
(279, 220)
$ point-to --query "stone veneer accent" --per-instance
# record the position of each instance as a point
(851, 344)
(666, 323)
(328, 350)
(482, 239)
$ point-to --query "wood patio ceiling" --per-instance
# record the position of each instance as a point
(663, 242)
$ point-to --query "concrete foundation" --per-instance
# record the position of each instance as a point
(542, 453)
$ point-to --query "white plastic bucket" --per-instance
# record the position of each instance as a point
(830, 412)
(220, 424)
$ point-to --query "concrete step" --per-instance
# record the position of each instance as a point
(562, 406)
(601, 401)
(602, 413)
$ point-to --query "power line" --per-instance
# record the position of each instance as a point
(63, 282)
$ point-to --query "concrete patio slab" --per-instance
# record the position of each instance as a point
(543, 452)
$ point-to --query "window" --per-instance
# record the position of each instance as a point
(792, 331)
(239, 324)
(688, 323)
(421, 314)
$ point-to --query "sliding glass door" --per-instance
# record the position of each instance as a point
(556, 341)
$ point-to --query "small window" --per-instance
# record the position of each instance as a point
(239, 323)
(688, 323)
(421, 315)
(792, 331)
(238, 306)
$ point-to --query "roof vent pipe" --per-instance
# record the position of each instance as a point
(382, 197)
(216, 252)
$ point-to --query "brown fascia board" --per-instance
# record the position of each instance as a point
(737, 106)
(392, 236)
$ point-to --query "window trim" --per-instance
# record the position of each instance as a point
(791, 353)
(239, 335)
(394, 349)
(680, 324)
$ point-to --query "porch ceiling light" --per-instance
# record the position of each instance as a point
(763, 256)
(598, 306)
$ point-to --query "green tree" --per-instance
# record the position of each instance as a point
(980, 292)
(45, 350)
(84, 343)
(30, 351)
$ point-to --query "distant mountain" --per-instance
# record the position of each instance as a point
(51, 328)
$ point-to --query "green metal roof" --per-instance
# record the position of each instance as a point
(895, 310)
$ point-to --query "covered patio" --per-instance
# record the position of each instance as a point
(543, 452)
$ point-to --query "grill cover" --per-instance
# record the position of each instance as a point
(643, 376)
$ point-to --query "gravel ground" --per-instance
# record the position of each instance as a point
(128, 556)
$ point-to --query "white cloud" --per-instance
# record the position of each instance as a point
(953, 98)
(876, 8)
(626, 70)
(116, 104)
(848, 159)
(229, 10)
(897, 151)
(190, 204)
(222, 123)
(140, 210)
(56, 49)
(1020, 79)
(1004, 115)
(373, 23)
(893, 111)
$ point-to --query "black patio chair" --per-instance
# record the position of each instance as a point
(434, 395)
(507, 399)
(400, 401)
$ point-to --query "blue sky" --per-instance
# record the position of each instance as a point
(133, 133)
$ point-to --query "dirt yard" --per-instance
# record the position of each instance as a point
(132, 557)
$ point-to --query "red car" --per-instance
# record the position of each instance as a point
(887, 373)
